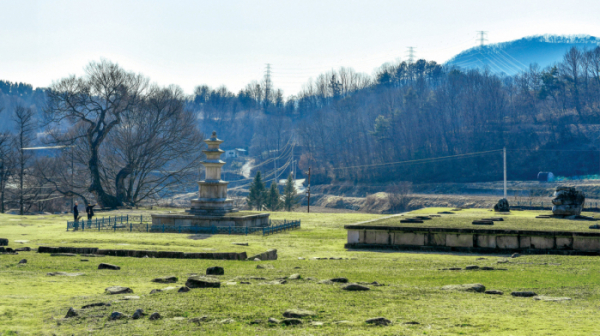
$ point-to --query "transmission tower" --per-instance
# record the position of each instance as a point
(411, 54)
(268, 85)
(482, 38)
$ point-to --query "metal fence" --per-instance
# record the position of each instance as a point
(127, 223)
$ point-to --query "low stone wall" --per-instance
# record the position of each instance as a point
(269, 255)
(473, 240)
(144, 253)
(259, 220)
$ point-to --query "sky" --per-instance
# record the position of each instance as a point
(190, 43)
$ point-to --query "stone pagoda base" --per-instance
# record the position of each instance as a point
(235, 220)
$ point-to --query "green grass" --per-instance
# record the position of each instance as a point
(516, 220)
(33, 303)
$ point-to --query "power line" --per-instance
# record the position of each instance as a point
(411, 54)
(420, 160)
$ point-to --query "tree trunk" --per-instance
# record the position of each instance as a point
(120, 183)
(104, 200)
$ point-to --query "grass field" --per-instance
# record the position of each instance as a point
(33, 303)
(516, 220)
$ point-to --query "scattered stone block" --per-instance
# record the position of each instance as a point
(298, 313)
(379, 321)
(154, 291)
(276, 282)
(116, 316)
(23, 249)
(109, 267)
(523, 294)
(273, 320)
(291, 321)
(455, 269)
(71, 313)
(202, 282)
(317, 323)
(494, 292)
(63, 254)
(355, 287)
(471, 267)
(64, 274)
(550, 298)
(227, 321)
(155, 316)
(139, 313)
(265, 266)
(515, 255)
(167, 279)
(295, 277)
(567, 202)
(339, 280)
(97, 304)
(482, 222)
(23, 261)
(215, 270)
(411, 323)
(478, 288)
(118, 290)
(131, 297)
(502, 206)
(3, 242)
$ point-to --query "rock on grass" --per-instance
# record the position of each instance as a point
(139, 313)
(97, 304)
(71, 313)
(215, 270)
(183, 289)
(298, 313)
(523, 294)
(379, 321)
(116, 316)
(167, 279)
(155, 316)
(202, 282)
(355, 287)
(291, 321)
(273, 320)
(340, 280)
(551, 298)
(494, 292)
(118, 290)
(109, 267)
(478, 288)
(295, 277)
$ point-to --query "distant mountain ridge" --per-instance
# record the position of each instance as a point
(515, 56)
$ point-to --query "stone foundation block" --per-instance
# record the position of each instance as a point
(436, 239)
(586, 244)
(564, 243)
(409, 238)
(525, 242)
(507, 242)
(353, 236)
(487, 241)
(382, 237)
(459, 240)
(371, 237)
(542, 243)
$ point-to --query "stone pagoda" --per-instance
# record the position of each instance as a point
(212, 208)
(213, 191)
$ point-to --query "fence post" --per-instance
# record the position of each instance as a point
(163, 228)
(130, 227)
(147, 228)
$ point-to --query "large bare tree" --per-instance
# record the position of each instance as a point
(96, 103)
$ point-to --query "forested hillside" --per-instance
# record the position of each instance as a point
(352, 127)
(425, 110)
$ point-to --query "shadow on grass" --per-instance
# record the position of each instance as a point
(199, 236)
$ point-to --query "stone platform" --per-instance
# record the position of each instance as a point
(233, 220)
(365, 236)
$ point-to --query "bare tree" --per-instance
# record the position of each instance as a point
(399, 195)
(96, 102)
(25, 134)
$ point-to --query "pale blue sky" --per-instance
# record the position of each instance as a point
(229, 42)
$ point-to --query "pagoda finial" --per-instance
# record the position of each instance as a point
(214, 134)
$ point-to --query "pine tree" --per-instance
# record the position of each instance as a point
(273, 201)
(257, 196)
(290, 198)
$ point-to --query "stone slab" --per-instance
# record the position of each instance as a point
(586, 244)
(507, 242)
(487, 241)
(436, 239)
(542, 243)
(371, 237)
(382, 237)
(408, 238)
(524, 242)
(564, 243)
(459, 240)
(353, 236)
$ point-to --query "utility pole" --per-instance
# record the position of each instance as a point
(504, 152)
(267, 86)
(308, 190)
(482, 38)
(411, 54)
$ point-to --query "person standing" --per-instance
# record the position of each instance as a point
(90, 211)
(75, 213)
